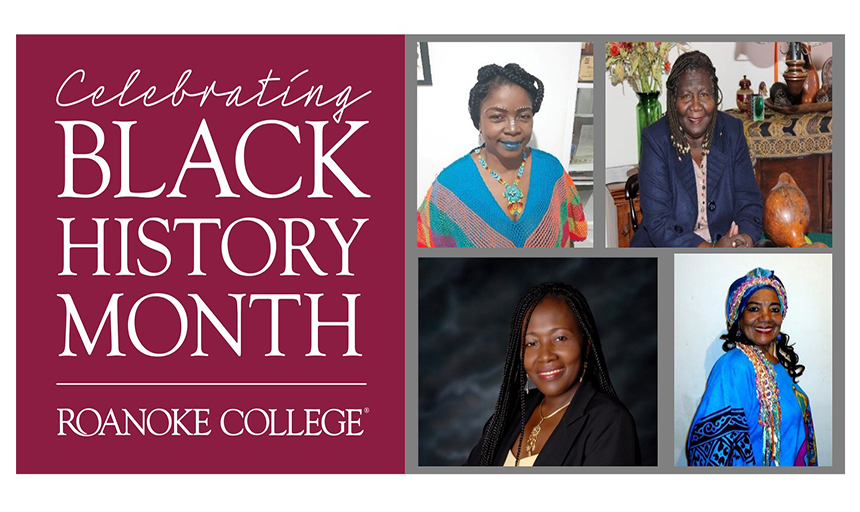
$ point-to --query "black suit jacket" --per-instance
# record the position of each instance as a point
(596, 430)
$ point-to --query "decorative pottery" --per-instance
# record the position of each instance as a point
(794, 77)
(757, 103)
(796, 72)
(826, 81)
(811, 84)
(786, 213)
(648, 111)
(744, 94)
(827, 73)
(757, 108)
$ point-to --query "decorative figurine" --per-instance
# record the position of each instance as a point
(779, 95)
(744, 95)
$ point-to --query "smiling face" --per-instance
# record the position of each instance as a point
(506, 121)
(554, 350)
(761, 318)
(695, 103)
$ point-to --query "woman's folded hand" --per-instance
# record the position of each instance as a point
(734, 239)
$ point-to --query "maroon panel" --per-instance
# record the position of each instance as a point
(286, 83)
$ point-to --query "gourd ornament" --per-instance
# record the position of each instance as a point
(786, 214)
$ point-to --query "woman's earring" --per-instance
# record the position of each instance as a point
(527, 384)
(584, 367)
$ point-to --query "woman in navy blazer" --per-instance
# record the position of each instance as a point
(715, 203)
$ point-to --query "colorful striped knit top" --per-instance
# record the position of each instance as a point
(460, 211)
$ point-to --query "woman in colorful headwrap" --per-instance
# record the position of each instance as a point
(753, 412)
(503, 193)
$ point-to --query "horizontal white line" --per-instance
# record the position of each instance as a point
(211, 383)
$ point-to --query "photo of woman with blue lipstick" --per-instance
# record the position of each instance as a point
(503, 193)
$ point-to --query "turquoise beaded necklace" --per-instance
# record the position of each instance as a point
(513, 194)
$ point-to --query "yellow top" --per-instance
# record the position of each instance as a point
(511, 460)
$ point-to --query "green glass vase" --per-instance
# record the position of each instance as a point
(648, 110)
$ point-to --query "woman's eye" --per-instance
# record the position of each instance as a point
(495, 118)
(530, 343)
(774, 309)
(560, 338)
(752, 309)
(525, 117)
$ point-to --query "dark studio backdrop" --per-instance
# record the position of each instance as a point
(465, 309)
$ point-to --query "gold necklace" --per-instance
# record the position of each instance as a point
(532, 443)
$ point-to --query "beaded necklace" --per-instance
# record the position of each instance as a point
(513, 193)
(770, 414)
(683, 147)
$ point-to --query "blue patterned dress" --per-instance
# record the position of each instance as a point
(726, 429)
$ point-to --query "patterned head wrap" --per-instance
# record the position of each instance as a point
(742, 289)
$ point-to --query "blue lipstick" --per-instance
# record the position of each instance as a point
(511, 145)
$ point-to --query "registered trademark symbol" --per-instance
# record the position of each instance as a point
(366, 410)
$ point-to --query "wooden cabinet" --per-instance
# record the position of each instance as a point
(801, 145)
(813, 174)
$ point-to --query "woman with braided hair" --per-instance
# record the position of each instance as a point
(503, 193)
(573, 417)
(753, 412)
(696, 182)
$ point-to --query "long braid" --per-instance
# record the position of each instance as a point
(600, 374)
(512, 378)
(690, 61)
(785, 353)
(512, 389)
(492, 76)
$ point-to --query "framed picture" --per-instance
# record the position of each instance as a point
(424, 77)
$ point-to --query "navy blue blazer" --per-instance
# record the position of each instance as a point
(667, 188)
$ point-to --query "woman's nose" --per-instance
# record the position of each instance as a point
(697, 104)
(511, 126)
(546, 352)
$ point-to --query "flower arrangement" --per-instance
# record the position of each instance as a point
(640, 64)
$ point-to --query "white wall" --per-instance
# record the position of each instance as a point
(445, 129)
(732, 61)
(701, 286)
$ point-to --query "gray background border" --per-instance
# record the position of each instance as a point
(665, 273)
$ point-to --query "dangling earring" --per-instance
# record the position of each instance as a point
(527, 384)
(585, 363)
